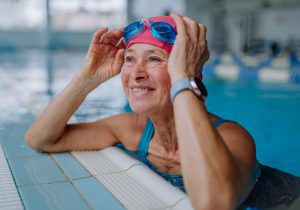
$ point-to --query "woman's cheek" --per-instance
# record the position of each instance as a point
(157, 66)
(162, 74)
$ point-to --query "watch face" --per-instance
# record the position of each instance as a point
(195, 88)
(199, 85)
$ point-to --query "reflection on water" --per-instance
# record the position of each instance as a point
(29, 80)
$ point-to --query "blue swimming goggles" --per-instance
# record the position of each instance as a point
(162, 31)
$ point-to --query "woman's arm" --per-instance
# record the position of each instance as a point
(222, 160)
(50, 132)
(216, 164)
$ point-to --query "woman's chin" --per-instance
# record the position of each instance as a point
(141, 108)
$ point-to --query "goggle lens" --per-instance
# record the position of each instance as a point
(161, 28)
(133, 30)
(164, 32)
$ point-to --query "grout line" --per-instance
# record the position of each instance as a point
(117, 172)
(71, 180)
(43, 183)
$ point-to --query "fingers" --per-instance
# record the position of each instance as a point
(203, 49)
(97, 35)
(111, 37)
(202, 36)
(192, 28)
(180, 26)
(186, 26)
(118, 62)
(203, 41)
(121, 44)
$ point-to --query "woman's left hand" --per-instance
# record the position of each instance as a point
(190, 50)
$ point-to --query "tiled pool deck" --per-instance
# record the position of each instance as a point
(106, 179)
(50, 181)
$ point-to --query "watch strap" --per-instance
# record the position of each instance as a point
(178, 86)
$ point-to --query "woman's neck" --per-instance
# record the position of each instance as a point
(165, 139)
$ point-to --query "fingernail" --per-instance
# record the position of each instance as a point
(119, 42)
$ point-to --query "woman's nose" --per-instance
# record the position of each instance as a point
(140, 73)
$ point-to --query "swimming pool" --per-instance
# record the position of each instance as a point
(270, 112)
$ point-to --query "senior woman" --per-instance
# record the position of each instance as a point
(215, 157)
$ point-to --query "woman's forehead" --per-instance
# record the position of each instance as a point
(141, 48)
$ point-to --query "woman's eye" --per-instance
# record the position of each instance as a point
(154, 59)
(129, 59)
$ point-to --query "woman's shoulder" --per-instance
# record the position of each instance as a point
(228, 127)
(128, 128)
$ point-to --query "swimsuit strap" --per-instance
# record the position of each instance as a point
(146, 137)
(256, 172)
(220, 121)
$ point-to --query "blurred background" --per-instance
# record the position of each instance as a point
(253, 75)
(234, 25)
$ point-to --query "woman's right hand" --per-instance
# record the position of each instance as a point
(105, 56)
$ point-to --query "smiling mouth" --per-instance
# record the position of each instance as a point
(141, 90)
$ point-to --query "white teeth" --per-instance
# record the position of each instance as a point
(140, 89)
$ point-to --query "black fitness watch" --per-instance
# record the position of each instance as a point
(194, 84)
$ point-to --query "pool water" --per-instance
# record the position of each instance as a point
(270, 112)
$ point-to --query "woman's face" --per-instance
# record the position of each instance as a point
(145, 78)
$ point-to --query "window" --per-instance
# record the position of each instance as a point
(22, 14)
(87, 15)
(70, 15)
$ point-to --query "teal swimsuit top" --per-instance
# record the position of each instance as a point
(174, 179)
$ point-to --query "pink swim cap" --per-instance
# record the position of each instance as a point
(147, 38)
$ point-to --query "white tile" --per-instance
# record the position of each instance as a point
(9, 197)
